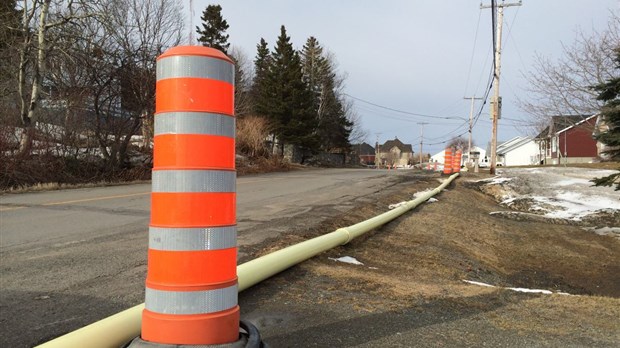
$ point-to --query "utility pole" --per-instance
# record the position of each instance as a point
(377, 159)
(498, 55)
(421, 139)
(471, 124)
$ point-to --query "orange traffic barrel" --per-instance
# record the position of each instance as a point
(456, 161)
(191, 282)
(447, 163)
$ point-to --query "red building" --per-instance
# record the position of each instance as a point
(365, 152)
(568, 139)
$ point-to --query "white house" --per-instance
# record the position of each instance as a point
(440, 156)
(518, 151)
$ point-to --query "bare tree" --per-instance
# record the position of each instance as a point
(105, 78)
(39, 17)
(563, 87)
(358, 133)
(243, 80)
(459, 143)
(157, 25)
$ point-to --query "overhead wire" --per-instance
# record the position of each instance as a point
(371, 112)
(471, 60)
(401, 111)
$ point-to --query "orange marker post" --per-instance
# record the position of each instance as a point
(447, 163)
(456, 164)
(191, 283)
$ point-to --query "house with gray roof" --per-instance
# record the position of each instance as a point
(395, 153)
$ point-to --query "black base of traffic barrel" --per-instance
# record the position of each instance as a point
(249, 337)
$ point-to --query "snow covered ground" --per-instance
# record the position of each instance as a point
(558, 193)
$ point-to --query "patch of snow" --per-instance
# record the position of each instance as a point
(509, 200)
(432, 200)
(396, 205)
(373, 267)
(570, 182)
(605, 231)
(532, 291)
(600, 172)
(347, 259)
(525, 290)
(479, 283)
(576, 206)
(495, 180)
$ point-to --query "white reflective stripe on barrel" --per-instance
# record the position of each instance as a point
(195, 67)
(192, 239)
(191, 302)
(194, 181)
(194, 123)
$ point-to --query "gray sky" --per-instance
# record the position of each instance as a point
(415, 55)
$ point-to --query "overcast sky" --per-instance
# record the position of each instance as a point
(415, 55)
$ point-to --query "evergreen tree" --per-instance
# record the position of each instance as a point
(314, 65)
(214, 26)
(609, 92)
(332, 126)
(335, 127)
(290, 101)
(260, 85)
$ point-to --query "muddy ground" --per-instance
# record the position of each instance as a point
(410, 291)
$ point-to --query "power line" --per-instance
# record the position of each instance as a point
(382, 114)
(471, 60)
(449, 134)
(402, 111)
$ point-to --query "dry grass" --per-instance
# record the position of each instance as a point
(251, 134)
(418, 262)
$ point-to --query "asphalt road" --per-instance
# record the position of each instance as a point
(71, 257)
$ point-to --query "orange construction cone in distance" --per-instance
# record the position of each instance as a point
(447, 166)
(456, 164)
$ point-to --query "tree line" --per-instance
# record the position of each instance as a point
(298, 92)
(77, 83)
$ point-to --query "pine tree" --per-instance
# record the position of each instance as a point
(609, 92)
(332, 125)
(314, 65)
(214, 26)
(260, 84)
(290, 101)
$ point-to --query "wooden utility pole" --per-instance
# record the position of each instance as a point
(498, 55)
(421, 139)
(377, 153)
(471, 124)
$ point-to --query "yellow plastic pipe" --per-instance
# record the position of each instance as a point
(120, 328)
